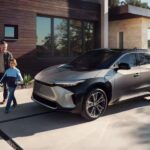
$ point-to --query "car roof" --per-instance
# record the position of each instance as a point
(123, 50)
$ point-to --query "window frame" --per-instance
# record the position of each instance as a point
(140, 60)
(69, 52)
(15, 27)
(117, 61)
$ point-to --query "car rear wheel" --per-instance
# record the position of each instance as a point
(94, 104)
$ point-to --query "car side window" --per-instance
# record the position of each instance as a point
(129, 59)
(144, 58)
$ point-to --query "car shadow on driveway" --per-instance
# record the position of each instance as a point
(126, 105)
(30, 109)
(29, 118)
(139, 121)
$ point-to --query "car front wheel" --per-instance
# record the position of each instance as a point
(94, 104)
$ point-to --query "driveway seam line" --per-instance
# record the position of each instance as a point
(9, 140)
(23, 117)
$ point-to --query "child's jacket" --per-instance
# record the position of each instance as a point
(11, 76)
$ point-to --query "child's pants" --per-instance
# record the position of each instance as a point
(11, 97)
(5, 92)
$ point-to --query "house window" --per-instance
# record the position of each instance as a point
(44, 36)
(148, 33)
(60, 37)
(88, 36)
(121, 39)
(63, 37)
(10, 31)
(75, 36)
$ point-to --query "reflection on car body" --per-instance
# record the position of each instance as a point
(93, 80)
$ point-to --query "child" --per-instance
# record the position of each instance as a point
(11, 77)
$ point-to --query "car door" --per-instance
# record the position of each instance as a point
(126, 82)
(144, 62)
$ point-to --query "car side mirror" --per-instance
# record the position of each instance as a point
(124, 66)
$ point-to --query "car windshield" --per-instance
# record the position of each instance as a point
(93, 60)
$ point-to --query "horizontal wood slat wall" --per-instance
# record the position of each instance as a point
(23, 13)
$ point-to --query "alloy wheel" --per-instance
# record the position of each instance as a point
(96, 104)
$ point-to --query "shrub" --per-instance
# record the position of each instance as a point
(27, 79)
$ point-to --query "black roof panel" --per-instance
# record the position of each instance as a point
(123, 50)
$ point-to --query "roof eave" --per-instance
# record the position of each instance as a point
(128, 11)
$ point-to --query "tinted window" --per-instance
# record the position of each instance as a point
(60, 37)
(75, 37)
(94, 60)
(144, 58)
(88, 36)
(129, 59)
(147, 58)
(43, 33)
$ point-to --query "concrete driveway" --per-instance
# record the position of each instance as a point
(126, 126)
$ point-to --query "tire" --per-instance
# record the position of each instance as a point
(94, 104)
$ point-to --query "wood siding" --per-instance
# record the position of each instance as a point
(23, 13)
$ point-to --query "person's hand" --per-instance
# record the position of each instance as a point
(19, 83)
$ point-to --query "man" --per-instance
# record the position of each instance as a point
(5, 57)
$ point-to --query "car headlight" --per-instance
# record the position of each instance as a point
(68, 83)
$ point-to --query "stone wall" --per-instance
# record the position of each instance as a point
(145, 27)
(135, 32)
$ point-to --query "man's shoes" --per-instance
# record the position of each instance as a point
(3, 102)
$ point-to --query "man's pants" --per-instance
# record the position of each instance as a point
(5, 89)
(11, 97)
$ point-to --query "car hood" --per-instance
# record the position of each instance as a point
(59, 73)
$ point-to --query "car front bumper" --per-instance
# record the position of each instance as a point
(54, 97)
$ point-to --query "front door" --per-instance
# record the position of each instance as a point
(126, 82)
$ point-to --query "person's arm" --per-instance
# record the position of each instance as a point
(3, 77)
(19, 76)
(10, 56)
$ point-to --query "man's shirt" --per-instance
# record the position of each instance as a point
(7, 57)
(2, 68)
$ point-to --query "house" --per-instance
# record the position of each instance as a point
(44, 33)
(129, 27)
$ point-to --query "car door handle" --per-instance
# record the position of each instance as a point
(136, 75)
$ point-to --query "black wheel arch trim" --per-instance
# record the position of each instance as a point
(106, 87)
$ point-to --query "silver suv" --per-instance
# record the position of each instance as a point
(93, 80)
